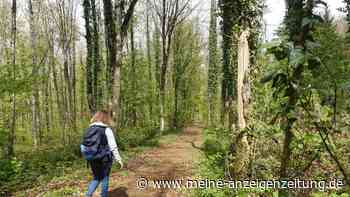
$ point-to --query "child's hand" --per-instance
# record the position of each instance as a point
(121, 164)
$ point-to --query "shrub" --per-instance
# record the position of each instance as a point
(25, 171)
(216, 142)
(133, 137)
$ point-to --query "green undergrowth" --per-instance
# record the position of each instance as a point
(212, 166)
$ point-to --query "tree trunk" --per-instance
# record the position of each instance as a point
(47, 94)
(97, 88)
(176, 97)
(59, 97)
(89, 57)
(69, 87)
(113, 69)
(35, 96)
(157, 62)
(93, 60)
(133, 75)
(149, 63)
(114, 51)
(243, 66)
(12, 124)
(163, 67)
(298, 35)
(74, 88)
(213, 67)
(239, 165)
(229, 63)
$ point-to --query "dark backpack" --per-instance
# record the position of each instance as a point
(95, 144)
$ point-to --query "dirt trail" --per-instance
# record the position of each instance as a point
(170, 161)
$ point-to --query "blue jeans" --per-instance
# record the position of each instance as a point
(94, 184)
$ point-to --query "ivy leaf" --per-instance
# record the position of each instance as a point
(345, 86)
(312, 45)
(280, 52)
(311, 21)
(292, 115)
(279, 79)
(314, 63)
(317, 19)
(268, 77)
(306, 21)
(311, 138)
(297, 57)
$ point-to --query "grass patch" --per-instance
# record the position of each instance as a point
(66, 191)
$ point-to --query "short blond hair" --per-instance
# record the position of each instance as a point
(102, 116)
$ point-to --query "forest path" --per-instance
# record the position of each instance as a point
(171, 160)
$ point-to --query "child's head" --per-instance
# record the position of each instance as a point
(102, 116)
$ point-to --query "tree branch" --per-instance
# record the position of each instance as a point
(127, 17)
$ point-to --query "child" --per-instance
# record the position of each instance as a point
(100, 132)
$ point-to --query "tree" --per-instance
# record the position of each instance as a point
(114, 49)
(149, 62)
(294, 83)
(97, 68)
(236, 16)
(133, 116)
(65, 21)
(111, 44)
(346, 10)
(183, 58)
(93, 62)
(237, 67)
(48, 72)
(300, 22)
(228, 65)
(170, 13)
(213, 70)
(157, 63)
(12, 122)
(187, 74)
(242, 146)
(89, 56)
(35, 97)
(296, 11)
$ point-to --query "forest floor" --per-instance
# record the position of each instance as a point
(174, 159)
